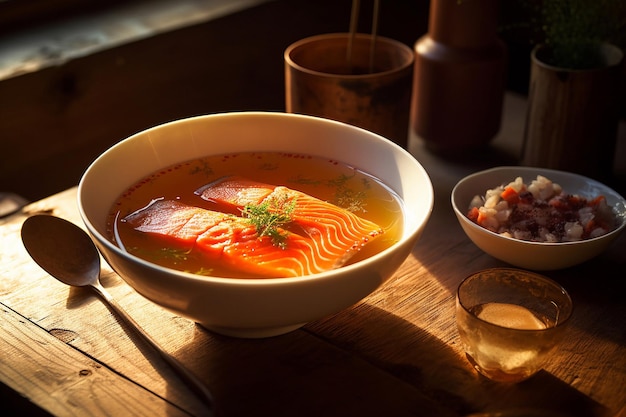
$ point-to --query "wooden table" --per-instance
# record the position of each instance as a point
(396, 353)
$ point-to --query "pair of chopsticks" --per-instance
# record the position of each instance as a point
(356, 4)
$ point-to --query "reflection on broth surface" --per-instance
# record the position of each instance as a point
(337, 190)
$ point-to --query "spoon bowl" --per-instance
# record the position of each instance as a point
(66, 252)
(62, 249)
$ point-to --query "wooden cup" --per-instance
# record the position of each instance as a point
(360, 80)
(573, 116)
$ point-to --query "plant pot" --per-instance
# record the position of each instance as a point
(573, 115)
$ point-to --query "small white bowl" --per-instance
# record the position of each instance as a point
(254, 307)
(534, 255)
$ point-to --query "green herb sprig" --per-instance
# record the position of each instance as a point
(572, 30)
(270, 216)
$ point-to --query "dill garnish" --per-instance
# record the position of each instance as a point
(203, 167)
(269, 216)
(353, 201)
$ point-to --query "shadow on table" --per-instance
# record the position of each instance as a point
(597, 292)
(305, 373)
(437, 370)
(365, 361)
(14, 404)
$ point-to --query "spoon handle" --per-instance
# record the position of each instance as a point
(189, 378)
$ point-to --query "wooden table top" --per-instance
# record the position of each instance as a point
(395, 353)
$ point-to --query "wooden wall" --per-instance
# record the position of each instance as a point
(55, 121)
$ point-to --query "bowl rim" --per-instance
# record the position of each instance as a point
(293, 49)
(282, 281)
(517, 272)
(620, 212)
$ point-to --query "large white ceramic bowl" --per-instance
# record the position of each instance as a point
(534, 255)
(254, 307)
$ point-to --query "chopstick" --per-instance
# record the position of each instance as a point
(374, 34)
(354, 15)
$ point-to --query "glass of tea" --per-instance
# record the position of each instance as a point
(510, 320)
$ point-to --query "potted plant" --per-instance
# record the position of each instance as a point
(572, 32)
(575, 86)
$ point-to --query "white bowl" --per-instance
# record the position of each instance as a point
(534, 255)
(254, 307)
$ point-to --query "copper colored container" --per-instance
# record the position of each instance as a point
(459, 77)
(371, 90)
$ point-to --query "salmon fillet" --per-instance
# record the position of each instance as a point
(319, 236)
(334, 228)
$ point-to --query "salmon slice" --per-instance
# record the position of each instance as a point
(231, 239)
(338, 233)
(235, 191)
(236, 242)
(174, 220)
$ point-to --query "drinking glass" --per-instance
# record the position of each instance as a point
(510, 320)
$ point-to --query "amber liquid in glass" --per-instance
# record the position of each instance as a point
(496, 351)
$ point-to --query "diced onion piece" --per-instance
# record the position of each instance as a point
(541, 188)
(487, 219)
(573, 231)
(477, 201)
(492, 201)
(518, 184)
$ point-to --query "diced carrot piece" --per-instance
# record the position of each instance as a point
(597, 201)
(481, 218)
(591, 224)
(473, 214)
(510, 195)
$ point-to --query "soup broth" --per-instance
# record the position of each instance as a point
(328, 180)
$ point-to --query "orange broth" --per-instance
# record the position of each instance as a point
(328, 180)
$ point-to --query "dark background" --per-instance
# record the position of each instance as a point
(55, 121)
